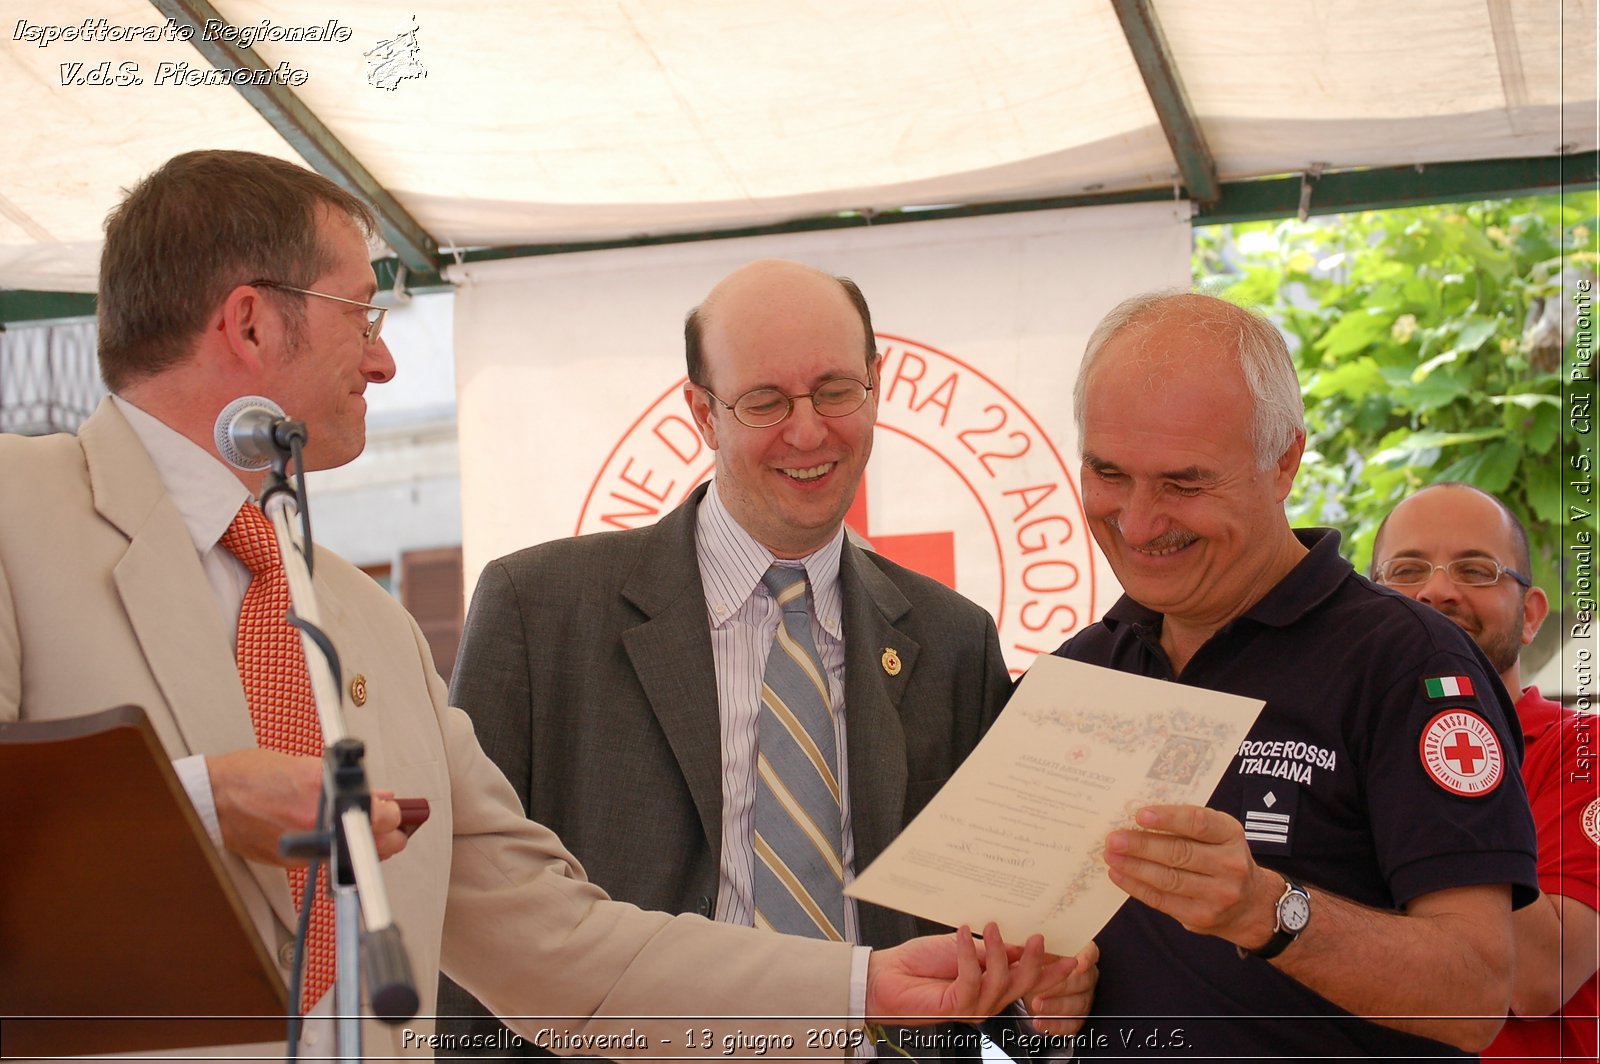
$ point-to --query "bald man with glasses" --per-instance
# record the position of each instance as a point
(1454, 547)
(620, 679)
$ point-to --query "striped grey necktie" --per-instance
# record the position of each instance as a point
(799, 873)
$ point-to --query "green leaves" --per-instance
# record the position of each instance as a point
(1544, 493)
(1537, 418)
(1350, 380)
(1354, 332)
(1490, 468)
(1407, 327)
(1420, 448)
(1473, 334)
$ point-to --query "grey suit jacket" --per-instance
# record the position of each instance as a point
(586, 667)
(103, 602)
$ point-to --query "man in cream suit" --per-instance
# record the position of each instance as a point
(227, 274)
(613, 677)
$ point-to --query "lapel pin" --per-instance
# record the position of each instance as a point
(891, 661)
(358, 690)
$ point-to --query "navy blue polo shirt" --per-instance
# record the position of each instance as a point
(1382, 768)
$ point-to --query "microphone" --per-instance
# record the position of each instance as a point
(253, 430)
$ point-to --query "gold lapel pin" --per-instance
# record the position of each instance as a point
(891, 661)
(358, 690)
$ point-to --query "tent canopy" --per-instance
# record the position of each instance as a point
(517, 128)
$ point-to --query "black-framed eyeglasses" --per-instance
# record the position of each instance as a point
(1468, 572)
(375, 313)
(762, 408)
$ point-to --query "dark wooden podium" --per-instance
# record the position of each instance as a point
(119, 929)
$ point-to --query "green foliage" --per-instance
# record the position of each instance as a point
(1421, 355)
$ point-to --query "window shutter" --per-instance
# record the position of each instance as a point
(431, 590)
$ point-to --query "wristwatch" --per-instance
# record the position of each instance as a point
(1294, 912)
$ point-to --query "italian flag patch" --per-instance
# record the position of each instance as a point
(1448, 687)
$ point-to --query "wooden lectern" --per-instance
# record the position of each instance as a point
(119, 929)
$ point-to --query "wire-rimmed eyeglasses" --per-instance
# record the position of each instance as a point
(761, 408)
(375, 313)
(1468, 572)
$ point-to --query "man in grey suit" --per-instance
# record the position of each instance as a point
(616, 677)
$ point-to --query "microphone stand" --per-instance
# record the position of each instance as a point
(344, 833)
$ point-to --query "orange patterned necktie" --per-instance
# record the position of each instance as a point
(272, 666)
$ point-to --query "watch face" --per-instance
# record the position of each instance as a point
(1294, 912)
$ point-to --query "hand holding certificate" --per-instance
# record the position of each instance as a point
(1017, 835)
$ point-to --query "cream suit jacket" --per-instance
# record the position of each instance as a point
(103, 602)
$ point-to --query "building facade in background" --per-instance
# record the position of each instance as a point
(395, 511)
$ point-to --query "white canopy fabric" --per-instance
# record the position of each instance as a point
(603, 119)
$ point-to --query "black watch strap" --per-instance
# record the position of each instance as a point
(1275, 945)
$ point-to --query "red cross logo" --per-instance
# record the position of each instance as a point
(929, 553)
(1461, 753)
(1464, 753)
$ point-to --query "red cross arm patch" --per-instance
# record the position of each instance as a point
(1462, 754)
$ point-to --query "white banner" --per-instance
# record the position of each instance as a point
(569, 370)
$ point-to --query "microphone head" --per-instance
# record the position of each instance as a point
(243, 432)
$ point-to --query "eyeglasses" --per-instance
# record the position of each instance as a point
(375, 313)
(1468, 572)
(762, 408)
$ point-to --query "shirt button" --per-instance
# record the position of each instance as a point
(286, 954)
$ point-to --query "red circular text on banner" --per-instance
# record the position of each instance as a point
(964, 486)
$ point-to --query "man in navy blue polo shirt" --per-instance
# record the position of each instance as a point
(1364, 851)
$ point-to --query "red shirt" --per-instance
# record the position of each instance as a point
(1565, 797)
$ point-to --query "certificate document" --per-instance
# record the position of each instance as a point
(1018, 833)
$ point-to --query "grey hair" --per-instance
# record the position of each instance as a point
(1278, 412)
